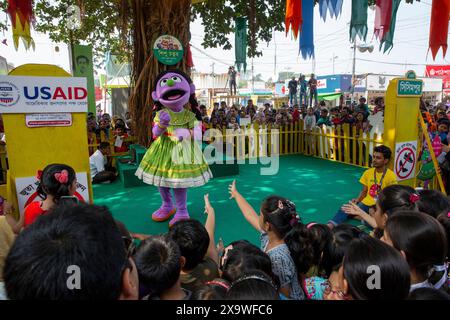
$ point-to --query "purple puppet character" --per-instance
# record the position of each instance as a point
(174, 161)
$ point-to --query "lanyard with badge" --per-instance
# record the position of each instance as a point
(376, 188)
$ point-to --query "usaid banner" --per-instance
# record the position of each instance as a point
(42, 94)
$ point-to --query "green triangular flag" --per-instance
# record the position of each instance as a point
(358, 23)
(241, 44)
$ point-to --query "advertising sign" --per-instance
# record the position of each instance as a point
(20, 94)
(168, 50)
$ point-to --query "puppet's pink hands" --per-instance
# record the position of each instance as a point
(164, 119)
(182, 134)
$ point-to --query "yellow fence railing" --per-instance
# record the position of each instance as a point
(341, 143)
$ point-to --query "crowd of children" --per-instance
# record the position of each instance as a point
(223, 116)
(104, 128)
(405, 257)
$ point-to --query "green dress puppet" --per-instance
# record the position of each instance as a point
(174, 160)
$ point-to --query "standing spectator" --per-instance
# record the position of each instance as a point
(98, 161)
(250, 106)
(215, 110)
(233, 113)
(99, 111)
(361, 123)
(292, 85)
(345, 116)
(224, 124)
(204, 113)
(312, 84)
(232, 78)
(363, 107)
(303, 89)
(120, 135)
(215, 123)
(310, 120)
(324, 119)
(223, 105)
(303, 111)
(233, 124)
(252, 114)
(317, 109)
(335, 117)
(92, 136)
(295, 114)
(102, 127)
(221, 115)
(379, 105)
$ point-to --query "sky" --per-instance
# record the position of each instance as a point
(410, 49)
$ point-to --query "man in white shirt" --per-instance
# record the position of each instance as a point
(97, 164)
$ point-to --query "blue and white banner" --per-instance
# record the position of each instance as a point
(20, 94)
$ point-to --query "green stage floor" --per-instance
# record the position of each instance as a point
(318, 188)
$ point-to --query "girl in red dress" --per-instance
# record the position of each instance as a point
(56, 181)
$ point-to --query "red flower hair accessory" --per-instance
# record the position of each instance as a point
(62, 177)
(413, 198)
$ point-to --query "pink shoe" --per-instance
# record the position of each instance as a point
(162, 214)
(178, 217)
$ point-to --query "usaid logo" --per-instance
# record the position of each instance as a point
(9, 94)
(58, 93)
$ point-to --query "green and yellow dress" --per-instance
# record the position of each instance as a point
(171, 163)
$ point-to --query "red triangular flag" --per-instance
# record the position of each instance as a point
(440, 11)
(293, 16)
(383, 14)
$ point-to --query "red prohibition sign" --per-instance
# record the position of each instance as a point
(398, 168)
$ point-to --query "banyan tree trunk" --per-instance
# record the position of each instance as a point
(150, 20)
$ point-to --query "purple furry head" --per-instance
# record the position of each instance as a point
(173, 89)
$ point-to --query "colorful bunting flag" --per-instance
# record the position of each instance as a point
(388, 40)
(383, 14)
(293, 16)
(333, 6)
(21, 15)
(440, 11)
(241, 44)
(307, 30)
(358, 23)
